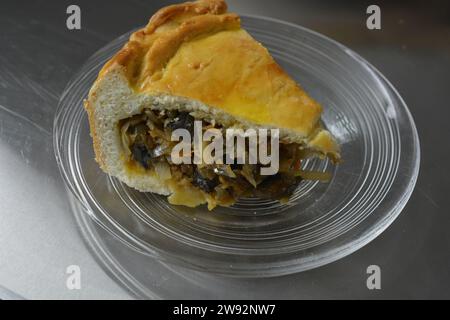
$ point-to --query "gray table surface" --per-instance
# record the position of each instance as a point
(38, 56)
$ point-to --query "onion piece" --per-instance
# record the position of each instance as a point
(162, 170)
(247, 173)
(125, 139)
(158, 151)
(224, 170)
(152, 116)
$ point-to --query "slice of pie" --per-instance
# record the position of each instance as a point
(194, 63)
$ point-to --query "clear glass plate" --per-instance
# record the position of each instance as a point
(320, 224)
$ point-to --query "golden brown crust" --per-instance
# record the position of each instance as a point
(165, 47)
(180, 23)
(198, 8)
(198, 51)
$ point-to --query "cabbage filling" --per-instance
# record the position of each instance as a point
(146, 139)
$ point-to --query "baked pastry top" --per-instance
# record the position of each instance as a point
(199, 51)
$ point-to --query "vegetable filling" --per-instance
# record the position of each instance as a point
(146, 139)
